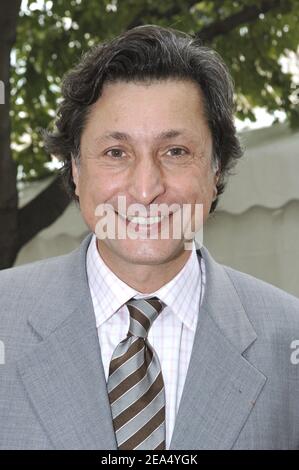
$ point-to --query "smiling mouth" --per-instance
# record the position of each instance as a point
(143, 221)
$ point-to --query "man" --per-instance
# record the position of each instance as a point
(135, 341)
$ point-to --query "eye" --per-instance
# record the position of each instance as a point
(177, 152)
(114, 153)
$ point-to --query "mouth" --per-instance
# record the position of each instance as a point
(144, 223)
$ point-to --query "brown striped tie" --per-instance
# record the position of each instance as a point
(135, 383)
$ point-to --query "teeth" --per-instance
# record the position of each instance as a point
(143, 220)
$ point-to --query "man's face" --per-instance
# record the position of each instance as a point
(151, 145)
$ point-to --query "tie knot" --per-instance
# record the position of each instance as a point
(143, 313)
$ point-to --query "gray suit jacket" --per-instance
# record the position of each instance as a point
(241, 390)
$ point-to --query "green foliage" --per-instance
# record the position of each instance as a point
(51, 39)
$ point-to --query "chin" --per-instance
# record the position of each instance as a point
(148, 252)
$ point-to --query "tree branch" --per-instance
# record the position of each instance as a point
(8, 171)
(247, 15)
(153, 11)
(42, 211)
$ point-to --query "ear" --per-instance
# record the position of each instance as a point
(75, 173)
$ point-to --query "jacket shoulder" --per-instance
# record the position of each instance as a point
(30, 276)
(261, 299)
(31, 287)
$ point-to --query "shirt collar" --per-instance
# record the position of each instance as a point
(182, 293)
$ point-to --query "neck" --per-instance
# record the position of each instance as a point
(145, 278)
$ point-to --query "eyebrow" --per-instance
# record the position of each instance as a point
(123, 136)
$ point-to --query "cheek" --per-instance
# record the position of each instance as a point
(98, 186)
(202, 184)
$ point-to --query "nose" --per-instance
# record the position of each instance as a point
(146, 182)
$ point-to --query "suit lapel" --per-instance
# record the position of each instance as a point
(221, 386)
(64, 375)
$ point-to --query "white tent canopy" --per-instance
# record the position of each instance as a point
(267, 174)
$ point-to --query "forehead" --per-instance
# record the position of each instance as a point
(165, 94)
(148, 108)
